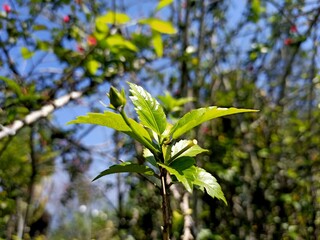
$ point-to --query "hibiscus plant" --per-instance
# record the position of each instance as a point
(168, 157)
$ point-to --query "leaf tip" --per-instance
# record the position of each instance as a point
(71, 122)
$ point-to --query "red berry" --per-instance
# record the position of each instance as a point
(293, 29)
(6, 8)
(66, 19)
(80, 48)
(288, 41)
(92, 41)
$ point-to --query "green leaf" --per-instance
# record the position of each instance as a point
(92, 66)
(182, 163)
(171, 104)
(26, 54)
(114, 18)
(43, 45)
(255, 10)
(190, 147)
(198, 116)
(206, 181)
(181, 177)
(101, 25)
(162, 4)
(157, 43)
(118, 41)
(126, 167)
(159, 25)
(191, 176)
(114, 121)
(150, 112)
(147, 154)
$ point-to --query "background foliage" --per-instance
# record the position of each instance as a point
(260, 54)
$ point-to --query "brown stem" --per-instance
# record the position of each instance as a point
(165, 206)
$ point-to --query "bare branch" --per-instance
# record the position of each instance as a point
(36, 115)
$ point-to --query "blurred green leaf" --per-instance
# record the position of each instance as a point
(256, 10)
(118, 41)
(39, 27)
(101, 25)
(172, 104)
(157, 43)
(26, 53)
(15, 87)
(114, 18)
(43, 45)
(93, 66)
(162, 4)
(159, 25)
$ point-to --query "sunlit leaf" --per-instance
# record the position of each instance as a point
(157, 43)
(126, 167)
(159, 25)
(150, 112)
(191, 176)
(163, 3)
(198, 116)
(205, 180)
(114, 121)
(191, 149)
(26, 53)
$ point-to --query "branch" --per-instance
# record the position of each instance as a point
(283, 81)
(188, 222)
(36, 115)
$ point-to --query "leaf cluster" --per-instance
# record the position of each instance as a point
(163, 149)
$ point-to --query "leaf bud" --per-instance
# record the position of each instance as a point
(117, 99)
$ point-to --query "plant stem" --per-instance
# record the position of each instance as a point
(141, 140)
(165, 206)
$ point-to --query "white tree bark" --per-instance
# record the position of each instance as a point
(36, 115)
(186, 211)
